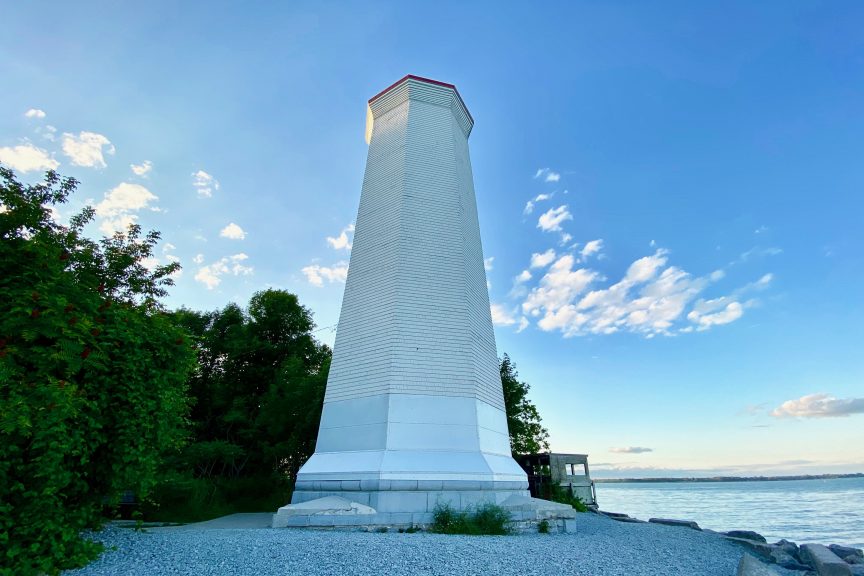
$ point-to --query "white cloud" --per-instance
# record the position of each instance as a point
(211, 275)
(631, 450)
(542, 260)
(819, 406)
(523, 277)
(342, 242)
(35, 113)
(118, 207)
(142, 169)
(707, 313)
(233, 232)
(555, 294)
(26, 158)
(487, 263)
(86, 149)
(529, 206)
(547, 175)
(500, 316)
(650, 299)
(198, 259)
(551, 220)
(758, 252)
(204, 183)
(523, 324)
(592, 247)
(316, 274)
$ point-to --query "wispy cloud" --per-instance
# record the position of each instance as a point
(142, 169)
(819, 406)
(211, 275)
(87, 149)
(35, 113)
(488, 262)
(631, 450)
(592, 247)
(529, 206)
(550, 221)
(342, 242)
(316, 274)
(27, 158)
(501, 316)
(120, 206)
(541, 260)
(547, 175)
(205, 184)
(233, 232)
(652, 298)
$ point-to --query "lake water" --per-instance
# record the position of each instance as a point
(824, 511)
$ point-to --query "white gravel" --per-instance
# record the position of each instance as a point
(601, 547)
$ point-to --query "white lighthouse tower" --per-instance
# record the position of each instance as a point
(414, 409)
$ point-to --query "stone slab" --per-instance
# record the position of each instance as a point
(750, 566)
(671, 522)
(824, 560)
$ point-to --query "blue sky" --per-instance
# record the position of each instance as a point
(695, 173)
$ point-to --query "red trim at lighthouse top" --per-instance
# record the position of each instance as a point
(428, 81)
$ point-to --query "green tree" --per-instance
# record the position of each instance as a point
(92, 375)
(257, 391)
(527, 434)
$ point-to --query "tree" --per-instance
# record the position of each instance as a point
(527, 434)
(258, 391)
(92, 375)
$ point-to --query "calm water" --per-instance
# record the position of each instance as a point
(824, 511)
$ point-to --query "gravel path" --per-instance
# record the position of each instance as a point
(601, 547)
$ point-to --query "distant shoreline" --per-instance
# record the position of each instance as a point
(728, 478)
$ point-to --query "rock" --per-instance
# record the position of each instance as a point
(746, 534)
(782, 558)
(670, 522)
(613, 514)
(630, 520)
(749, 566)
(538, 508)
(824, 560)
(857, 569)
(765, 551)
(846, 551)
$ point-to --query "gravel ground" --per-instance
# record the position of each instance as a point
(601, 547)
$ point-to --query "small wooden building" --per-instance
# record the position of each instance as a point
(569, 471)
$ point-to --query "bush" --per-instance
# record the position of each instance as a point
(485, 520)
(92, 376)
(182, 498)
(556, 493)
(543, 527)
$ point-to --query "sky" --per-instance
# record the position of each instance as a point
(670, 195)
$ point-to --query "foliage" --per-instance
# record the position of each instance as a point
(258, 391)
(486, 519)
(543, 527)
(92, 375)
(557, 493)
(527, 434)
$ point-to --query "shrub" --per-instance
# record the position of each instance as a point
(543, 527)
(556, 493)
(92, 376)
(485, 520)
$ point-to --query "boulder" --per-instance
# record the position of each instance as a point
(749, 566)
(538, 508)
(671, 522)
(824, 560)
(764, 551)
(846, 552)
(746, 534)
